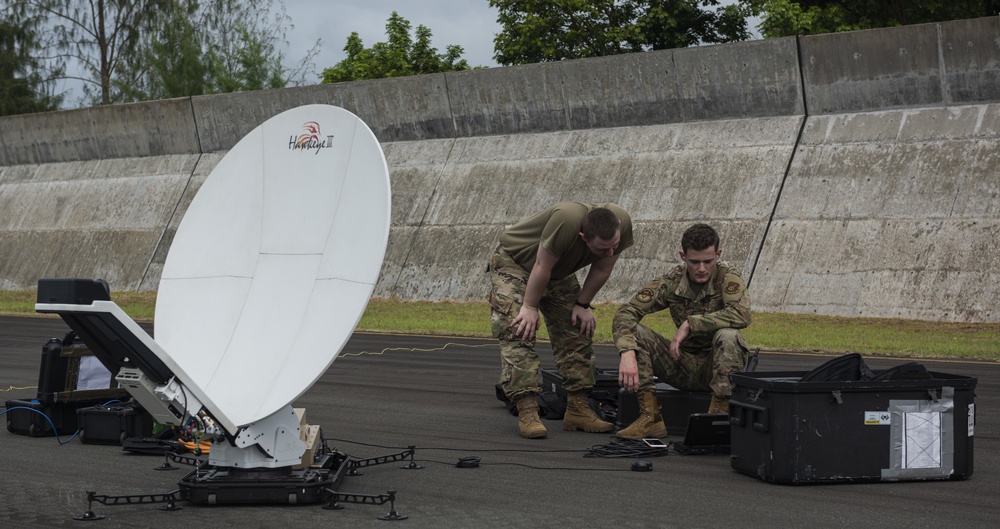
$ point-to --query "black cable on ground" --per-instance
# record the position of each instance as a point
(474, 462)
(619, 448)
(626, 448)
(449, 449)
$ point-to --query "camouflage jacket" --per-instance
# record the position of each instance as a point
(722, 303)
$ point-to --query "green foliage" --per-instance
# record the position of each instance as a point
(220, 46)
(682, 23)
(769, 331)
(241, 39)
(253, 65)
(138, 305)
(399, 56)
(553, 30)
(780, 18)
(104, 38)
(132, 50)
(537, 31)
(24, 85)
(177, 66)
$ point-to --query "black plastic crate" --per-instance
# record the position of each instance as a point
(676, 407)
(785, 430)
(112, 424)
(621, 407)
(59, 372)
(603, 396)
(25, 417)
(605, 384)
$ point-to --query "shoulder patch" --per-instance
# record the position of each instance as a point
(732, 287)
(645, 295)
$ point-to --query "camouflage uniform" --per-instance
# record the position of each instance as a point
(714, 349)
(573, 352)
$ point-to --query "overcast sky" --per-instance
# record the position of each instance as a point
(471, 24)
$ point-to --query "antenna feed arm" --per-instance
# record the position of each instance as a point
(168, 403)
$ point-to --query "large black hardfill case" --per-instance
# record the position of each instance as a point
(113, 423)
(53, 411)
(676, 407)
(787, 430)
(621, 407)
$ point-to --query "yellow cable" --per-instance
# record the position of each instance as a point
(15, 388)
(417, 349)
(205, 446)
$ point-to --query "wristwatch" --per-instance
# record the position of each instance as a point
(584, 305)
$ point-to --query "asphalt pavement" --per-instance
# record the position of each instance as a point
(386, 393)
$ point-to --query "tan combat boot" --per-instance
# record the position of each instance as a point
(650, 421)
(579, 416)
(528, 423)
(718, 405)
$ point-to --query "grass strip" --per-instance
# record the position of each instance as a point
(770, 331)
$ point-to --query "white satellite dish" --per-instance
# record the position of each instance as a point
(274, 262)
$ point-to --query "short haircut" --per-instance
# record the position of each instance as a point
(600, 222)
(699, 237)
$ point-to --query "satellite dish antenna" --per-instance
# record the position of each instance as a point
(274, 262)
(267, 276)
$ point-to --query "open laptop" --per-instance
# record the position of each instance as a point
(707, 433)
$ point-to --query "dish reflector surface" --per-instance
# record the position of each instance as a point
(274, 262)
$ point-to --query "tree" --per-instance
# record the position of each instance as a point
(175, 65)
(130, 50)
(553, 30)
(668, 24)
(400, 56)
(25, 85)
(780, 18)
(218, 46)
(102, 36)
(242, 39)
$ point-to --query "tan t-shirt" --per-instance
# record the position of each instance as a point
(558, 230)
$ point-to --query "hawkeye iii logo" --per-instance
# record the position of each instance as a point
(310, 139)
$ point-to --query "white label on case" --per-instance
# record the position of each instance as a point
(972, 419)
(877, 417)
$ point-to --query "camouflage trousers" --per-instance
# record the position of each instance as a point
(699, 367)
(573, 352)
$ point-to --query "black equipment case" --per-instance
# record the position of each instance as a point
(31, 417)
(603, 396)
(621, 407)
(676, 407)
(605, 385)
(113, 423)
(896, 425)
(57, 400)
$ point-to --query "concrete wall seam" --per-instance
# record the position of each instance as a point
(392, 288)
(174, 217)
(197, 128)
(788, 166)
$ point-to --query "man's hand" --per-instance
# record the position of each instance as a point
(584, 319)
(628, 372)
(526, 323)
(675, 345)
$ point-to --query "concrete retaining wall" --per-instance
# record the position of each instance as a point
(849, 174)
(453, 198)
(891, 213)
